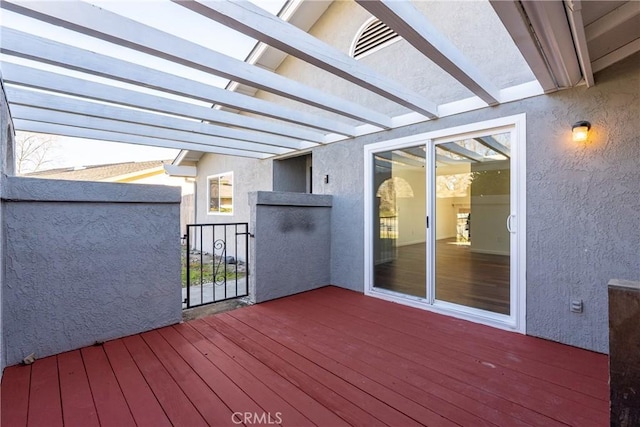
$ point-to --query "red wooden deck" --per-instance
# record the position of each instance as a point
(329, 357)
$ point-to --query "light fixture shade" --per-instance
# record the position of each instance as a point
(580, 131)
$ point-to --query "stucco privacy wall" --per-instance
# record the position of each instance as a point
(87, 262)
(290, 251)
(6, 168)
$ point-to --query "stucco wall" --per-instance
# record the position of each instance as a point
(291, 248)
(582, 201)
(87, 262)
(6, 168)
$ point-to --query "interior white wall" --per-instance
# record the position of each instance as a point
(411, 210)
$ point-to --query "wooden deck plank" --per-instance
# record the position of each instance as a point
(429, 379)
(203, 356)
(309, 381)
(16, 381)
(311, 408)
(426, 408)
(110, 403)
(176, 405)
(326, 357)
(45, 408)
(545, 396)
(204, 392)
(584, 363)
(474, 346)
(78, 408)
(144, 406)
(379, 410)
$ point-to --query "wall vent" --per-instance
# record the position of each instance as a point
(373, 36)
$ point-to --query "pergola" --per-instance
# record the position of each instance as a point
(563, 44)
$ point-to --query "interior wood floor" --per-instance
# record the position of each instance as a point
(328, 357)
(462, 277)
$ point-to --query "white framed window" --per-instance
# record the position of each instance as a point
(220, 194)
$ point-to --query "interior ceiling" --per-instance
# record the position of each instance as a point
(138, 84)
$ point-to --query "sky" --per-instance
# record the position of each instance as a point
(67, 151)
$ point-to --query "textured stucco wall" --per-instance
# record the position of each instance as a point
(87, 262)
(582, 201)
(291, 248)
(6, 168)
(290, 175)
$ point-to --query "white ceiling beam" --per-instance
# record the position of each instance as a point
(253, 21)
(102, 24)
(492, 143)
(551, 29)
(20, 44)
(574, 13)
(46, 80)
(615, 56)
(100, 135)
(514, 19)
(196, 141)
(612, 20)
(413, 26)
(254, 142)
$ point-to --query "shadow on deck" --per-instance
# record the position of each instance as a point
(327, 357)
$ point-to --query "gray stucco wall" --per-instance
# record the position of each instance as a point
(87, 262)
(6, 168)
(291, 248)
(582, 201)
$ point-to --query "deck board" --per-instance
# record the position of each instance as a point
(328, 357)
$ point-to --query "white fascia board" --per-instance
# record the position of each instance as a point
(181, 171)
(23, 45)
(256, 141)
(101, 135)
(255, 22)
(574, 13)
(46, 80)
(514, 20)
(415, 28)
(93, 21)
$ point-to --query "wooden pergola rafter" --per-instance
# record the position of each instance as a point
(166, 109)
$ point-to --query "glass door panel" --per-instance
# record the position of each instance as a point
(399, 214)
(472, 209)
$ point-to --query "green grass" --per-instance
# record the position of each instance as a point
(205, 275)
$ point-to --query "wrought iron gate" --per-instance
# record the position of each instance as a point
(215, 263)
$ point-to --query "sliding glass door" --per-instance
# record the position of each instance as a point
(472, 211)
(442, 223)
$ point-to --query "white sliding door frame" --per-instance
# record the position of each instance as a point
(516, 125)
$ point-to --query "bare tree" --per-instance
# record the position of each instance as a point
(33, 151)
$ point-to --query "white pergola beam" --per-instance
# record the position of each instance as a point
(255, 142)
(20, 44)
(255, 22)
(574, 13)
(413, 26)
(196, 141)
(100, 135)
(93, 21)
(615, 56)
(46, 80)
(513, 18)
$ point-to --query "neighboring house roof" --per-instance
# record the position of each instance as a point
(114, 172)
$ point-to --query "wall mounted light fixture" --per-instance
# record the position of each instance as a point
(580, 131)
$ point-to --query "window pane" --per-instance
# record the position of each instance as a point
(214, 194)
(226, 193)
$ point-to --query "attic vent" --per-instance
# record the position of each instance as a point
(374, 36)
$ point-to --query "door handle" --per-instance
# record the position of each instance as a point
(509, 223)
